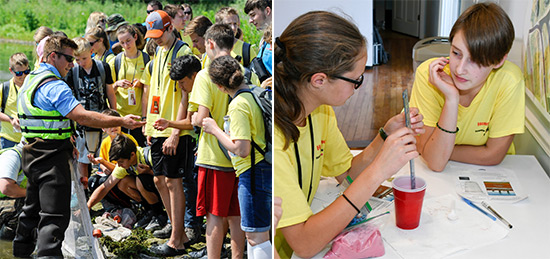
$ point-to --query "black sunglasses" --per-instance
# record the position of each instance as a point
(150, 11)
(69, 58)
(357, 83)
(186, 12)
(20, 73)
(93, 42)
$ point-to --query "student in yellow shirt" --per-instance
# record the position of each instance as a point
(128, 66)
(246, 126)
(170, 148)
(10, 133)
(217, 183)
(473, 102)
(311, 77)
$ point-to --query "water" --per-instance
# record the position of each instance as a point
(6, 50)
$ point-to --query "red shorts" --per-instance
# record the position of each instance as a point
(217, 193)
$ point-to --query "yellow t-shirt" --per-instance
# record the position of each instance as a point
(129, 69)
(110, 57)
(164, 95)
(332, 158)
(206, 93)
(498, 109)
(120, 172)
(236, 51)
(11, 110)
(246, 120)
(146, 76)
(106, 146)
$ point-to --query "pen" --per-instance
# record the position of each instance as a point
(496, 214)
(469, 202)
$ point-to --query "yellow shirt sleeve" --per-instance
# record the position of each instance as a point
(332, 158)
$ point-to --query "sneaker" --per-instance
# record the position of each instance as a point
(167, 251)
(158, 222)
(194, 234)
(144, 221)
(163, 233)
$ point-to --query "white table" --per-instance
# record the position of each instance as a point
(530, 236)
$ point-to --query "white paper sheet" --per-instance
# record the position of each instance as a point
(437, 236)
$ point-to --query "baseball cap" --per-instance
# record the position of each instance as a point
(156, 23)
(114, 21)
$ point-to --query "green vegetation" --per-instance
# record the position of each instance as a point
(20, 18)
(131, 247)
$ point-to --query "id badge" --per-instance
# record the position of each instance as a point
(131, 97)
(155, 105)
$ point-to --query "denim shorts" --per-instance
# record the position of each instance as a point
(255, 198)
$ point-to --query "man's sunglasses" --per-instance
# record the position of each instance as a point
(357, 83)
(20, 73)
(69, 58)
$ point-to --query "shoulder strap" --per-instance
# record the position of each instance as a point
(150, 67)
(118, 59)
(101, 69)
(246, 54)
(5, 93)
(76, 74)
(146, 58)
(177, 48)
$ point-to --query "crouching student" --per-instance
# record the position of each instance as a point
(121, 194)
(12, 190)
(246, 125)
(134, 163)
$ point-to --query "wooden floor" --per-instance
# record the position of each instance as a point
(379, 98)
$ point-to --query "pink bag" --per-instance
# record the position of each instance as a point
(362, 241)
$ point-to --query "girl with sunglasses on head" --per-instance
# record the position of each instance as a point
(10, 132)
(97, 37)
(311, 76)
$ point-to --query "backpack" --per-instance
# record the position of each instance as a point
(246, 54)
(177, 48)
(257, 66)
(264, 100)
(118, 59)
(5, 93)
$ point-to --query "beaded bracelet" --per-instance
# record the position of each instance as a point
(355, 207)
(444, 130)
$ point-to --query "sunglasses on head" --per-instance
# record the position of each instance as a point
(69, 58)
(20, 73)
(357, 83)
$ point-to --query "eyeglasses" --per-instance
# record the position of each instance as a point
(357, 83)
(93, 42)
(186, 12)
(69, 58)
(20, 73)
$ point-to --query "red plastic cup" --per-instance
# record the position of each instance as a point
(408, 202)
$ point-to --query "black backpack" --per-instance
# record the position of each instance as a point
(5, 93)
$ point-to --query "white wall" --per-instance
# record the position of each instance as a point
(360, 12)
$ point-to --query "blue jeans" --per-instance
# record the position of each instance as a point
(7, 143)
(255, 198)
(190, 190)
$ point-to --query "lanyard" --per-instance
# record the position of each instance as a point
(136, 60)
(164, 64)
(312, 159)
